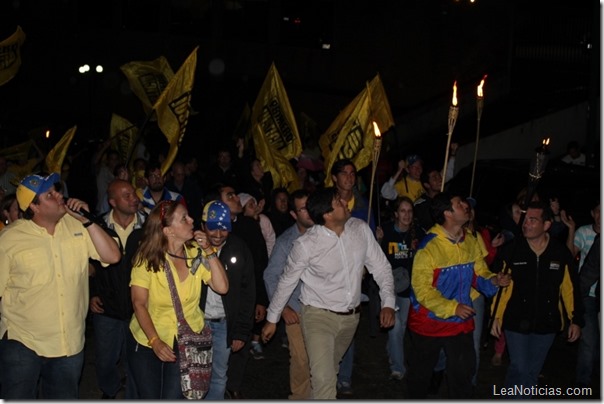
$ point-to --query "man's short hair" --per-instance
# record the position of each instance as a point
(546, 212)
(297, 194)
(340, 164)
(319, 203)
(152, 166)
(425, 175)
(441, 203)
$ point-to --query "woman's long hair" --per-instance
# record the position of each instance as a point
(154, 243)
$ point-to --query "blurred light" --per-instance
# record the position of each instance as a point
(99, 69)
(326, 46)
(47, 134)
(216, 67)
(285, 18)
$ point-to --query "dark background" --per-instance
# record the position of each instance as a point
(539, 56)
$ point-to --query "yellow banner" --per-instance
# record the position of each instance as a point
(10, 55)
(55, 157)
(273, 112)
(174, 107)
(272, 160)
(123, 136)
(148, 79)
(351, 134)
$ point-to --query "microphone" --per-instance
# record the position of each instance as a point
(83, 212)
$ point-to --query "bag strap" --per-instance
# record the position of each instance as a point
(175, 298)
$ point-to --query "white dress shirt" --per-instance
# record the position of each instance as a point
(331, 269)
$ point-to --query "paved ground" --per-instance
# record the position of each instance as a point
(268, 378)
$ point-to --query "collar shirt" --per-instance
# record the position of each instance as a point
(331, 269)
(44, 285)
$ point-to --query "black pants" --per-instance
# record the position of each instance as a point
(461, 363)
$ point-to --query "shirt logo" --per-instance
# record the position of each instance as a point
(554, 265)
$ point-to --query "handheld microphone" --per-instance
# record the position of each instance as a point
(82, 212)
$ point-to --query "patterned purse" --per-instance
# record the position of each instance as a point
(194, 350)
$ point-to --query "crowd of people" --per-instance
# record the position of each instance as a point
(245, 261)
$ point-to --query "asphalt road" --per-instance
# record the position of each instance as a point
(268, 378)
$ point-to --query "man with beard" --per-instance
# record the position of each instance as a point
(230, 316)
(155, 191)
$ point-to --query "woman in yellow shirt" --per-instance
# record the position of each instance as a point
(153, 350)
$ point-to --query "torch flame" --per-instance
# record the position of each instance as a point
(47, 134)
(479, 88)
(546, 142)
(454, 101)
(376, 130)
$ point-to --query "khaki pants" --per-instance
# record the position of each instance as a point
(299, 371)
(327, 336)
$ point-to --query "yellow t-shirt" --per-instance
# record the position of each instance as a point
(44, 285)
(160, 305)
(413, 189)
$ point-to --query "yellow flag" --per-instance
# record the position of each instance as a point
(174, 107)
(148, 79)
(273, 112)
(272, 160)
(123, 136)
(10, 55)
(55, 157)
(351, 134)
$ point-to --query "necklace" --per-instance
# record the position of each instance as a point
(182, 258)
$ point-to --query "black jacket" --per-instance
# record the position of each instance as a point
(112, 283)
(240, 301)
(540, 283)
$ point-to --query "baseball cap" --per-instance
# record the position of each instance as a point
(412, 158)
(471, 201)
(33, 185)
(216, 216)
(245, 198)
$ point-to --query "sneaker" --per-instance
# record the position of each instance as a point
(344, 388)
(396, 376)
(256, 351)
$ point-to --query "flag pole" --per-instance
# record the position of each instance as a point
(377, 147)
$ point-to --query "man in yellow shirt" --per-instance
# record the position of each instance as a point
(44, 291)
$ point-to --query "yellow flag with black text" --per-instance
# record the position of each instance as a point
(351, 134)
(55, 157)
(174, 107)
(10, 55)
(274, 113)
(123, 136)
(148, 79)
(272, 160)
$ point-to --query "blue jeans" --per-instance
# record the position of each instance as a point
(220, 360)
(345, 370)
(527, 355)
(23, 368)
(396, 336)
(589, 345)
(110, 348)
(154, 379)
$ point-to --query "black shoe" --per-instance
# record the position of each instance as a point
(234, 395)
(107, 397)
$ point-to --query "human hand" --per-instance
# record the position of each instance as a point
(567, 220)
(502, 280)
(574, 332)
(498, 240)
(496, 328)
(402, 164)
(464, 311)
(96, 305)
(202, 239)
(268, 331)
(237, 345)
(163, 351)
(379, 233)
(387, 317)
(290, 316)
